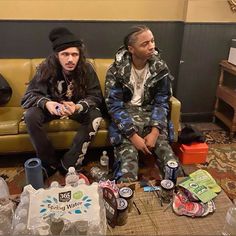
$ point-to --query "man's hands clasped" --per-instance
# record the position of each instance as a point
(62, 109)
(146, 144)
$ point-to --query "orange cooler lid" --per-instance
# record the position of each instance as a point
(195, 147)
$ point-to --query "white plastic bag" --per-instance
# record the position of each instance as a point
(6, 208)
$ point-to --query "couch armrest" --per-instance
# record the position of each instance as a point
(175, 106)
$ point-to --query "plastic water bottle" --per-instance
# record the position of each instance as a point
(104, 162)
(97, 174)
(56, 226)
(81, 227)
(72, 178)
(4, 190)
(23, 215)
(5, 225)
(24, 201)
(19, 221)
(6, 208)
(230, 222)
(21, 229)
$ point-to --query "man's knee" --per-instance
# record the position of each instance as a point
(127, 157)
(33, 115)
(94, 113)
(95, 119)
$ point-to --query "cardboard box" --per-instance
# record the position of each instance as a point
(232, 53)
(195, 153)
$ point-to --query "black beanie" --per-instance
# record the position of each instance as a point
(62, 39)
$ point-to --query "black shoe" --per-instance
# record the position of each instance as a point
(48, 170)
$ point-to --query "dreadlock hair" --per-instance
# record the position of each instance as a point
(50, 70)
(130, 38)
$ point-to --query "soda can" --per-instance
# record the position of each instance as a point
(171, 170)
(127, 193)
(167, 189)
(122, 211)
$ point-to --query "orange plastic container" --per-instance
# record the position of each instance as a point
(194, 153)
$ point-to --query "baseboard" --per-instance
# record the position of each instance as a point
(197, 117)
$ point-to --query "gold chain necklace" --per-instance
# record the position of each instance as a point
(70, 87)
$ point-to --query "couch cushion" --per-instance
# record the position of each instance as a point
(101, 67)
(9, 120)
(34, 64)
(17, 73)
(61, 125)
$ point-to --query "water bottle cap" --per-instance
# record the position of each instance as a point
(4, 191)
(95, 168)
(54, 184)
(71, 169)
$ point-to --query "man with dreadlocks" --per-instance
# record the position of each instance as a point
(137, 93)
(64, 86)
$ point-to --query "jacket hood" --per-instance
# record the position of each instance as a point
(123, 55)
(123, 59)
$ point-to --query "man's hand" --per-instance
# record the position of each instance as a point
(70, 107)
(53, 107)
(61, 109)
(151, 138)
(139, 144)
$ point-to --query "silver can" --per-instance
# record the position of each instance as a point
(171, 170)
(127, 193)
(122, 211)
(167, 190)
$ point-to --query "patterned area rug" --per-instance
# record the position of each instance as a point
(218, 137)
(221, 164)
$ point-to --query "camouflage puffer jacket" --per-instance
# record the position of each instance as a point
(119, 91)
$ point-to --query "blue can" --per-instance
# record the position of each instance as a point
(171, 170)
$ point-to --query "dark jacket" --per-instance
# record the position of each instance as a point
(119, 90)
(39, 92)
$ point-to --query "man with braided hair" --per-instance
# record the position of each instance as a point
(137, 93)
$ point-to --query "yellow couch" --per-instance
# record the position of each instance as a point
(13, 132)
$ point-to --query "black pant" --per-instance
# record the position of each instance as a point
(35, 118)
